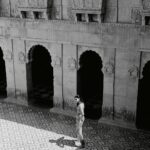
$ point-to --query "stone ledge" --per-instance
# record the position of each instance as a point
(17, 101)
(56, 21)
(118, 123)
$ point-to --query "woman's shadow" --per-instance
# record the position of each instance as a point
(61, 142)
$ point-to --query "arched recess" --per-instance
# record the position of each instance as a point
(90, 83)
(40, 87)
(3, 79)
(143, 100)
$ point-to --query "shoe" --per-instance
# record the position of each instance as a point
(82, 144)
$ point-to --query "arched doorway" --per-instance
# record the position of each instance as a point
(40, 77)
(143, 100)
(3, 81)
(90, 83)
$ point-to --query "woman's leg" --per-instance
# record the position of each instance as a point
(80, 134)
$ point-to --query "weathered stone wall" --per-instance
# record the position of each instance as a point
(111, 11)
(124, 49)
(5, 8)
(119, 46)
(123, 11)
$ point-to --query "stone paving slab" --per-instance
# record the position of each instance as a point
(27, 128)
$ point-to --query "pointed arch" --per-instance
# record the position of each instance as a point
(90, 83)
(40, 77)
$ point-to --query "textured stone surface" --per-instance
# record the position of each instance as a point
(62, 9)
(67, 41)
(118, 44)
(26, 128)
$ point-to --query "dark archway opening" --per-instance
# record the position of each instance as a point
(90, 83)
(3, 80)
(40, 77)
(143, 100)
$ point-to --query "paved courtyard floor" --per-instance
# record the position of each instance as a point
(27, 128)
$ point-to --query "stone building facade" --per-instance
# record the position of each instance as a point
(117, 30)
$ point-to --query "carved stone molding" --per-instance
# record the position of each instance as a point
(133, 72)
(136, 16)
(35, 3)
(87, 4)
(88, 10)
(109, 68)
(35, 9)
(145, 4)
(34, 13)
(57, 62)
(8, 56)
(72, 63)
(22, 57)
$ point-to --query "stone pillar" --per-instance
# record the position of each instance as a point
(45, 15)
(143, 20)
(86, 17)
(30, 15)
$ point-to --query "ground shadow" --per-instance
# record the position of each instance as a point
(61, 142)
(40, 77)
(90, 83)
(143, 100)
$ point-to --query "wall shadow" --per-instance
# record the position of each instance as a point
(3, 79)
(40, 77)
(90, 83)
(143, 100)
(61, 142)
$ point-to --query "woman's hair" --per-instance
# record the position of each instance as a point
(77, 96)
